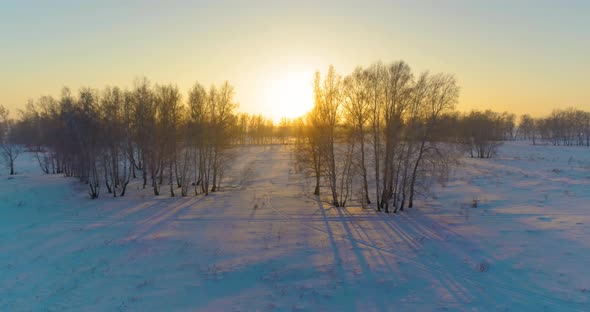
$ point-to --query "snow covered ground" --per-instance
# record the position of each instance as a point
(264, 244)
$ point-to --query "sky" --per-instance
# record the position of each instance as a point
(517, 56)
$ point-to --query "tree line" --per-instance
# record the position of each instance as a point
(110, 136)
(107, 137)
(567, 127)
(380, 135)
(479, 133)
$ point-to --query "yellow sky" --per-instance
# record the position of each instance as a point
(525, 57)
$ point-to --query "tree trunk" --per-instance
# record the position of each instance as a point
(317, 185)
(414, 173)
(170, 181)
(363, 167)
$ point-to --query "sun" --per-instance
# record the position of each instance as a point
(289, 94)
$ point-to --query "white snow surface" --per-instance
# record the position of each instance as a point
(265, 244)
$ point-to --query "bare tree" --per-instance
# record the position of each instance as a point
(167, 101)
(326, 118)
(197, 125)
(9, 149)
(308, 150)
(397, 91)
(439, 94)
(357, 108)
(376, 74)
(222, 118)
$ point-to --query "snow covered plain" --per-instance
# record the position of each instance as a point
(264, 244)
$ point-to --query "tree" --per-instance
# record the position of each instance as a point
(222, 118)
(197, 125)
(397, 91)
(357, 109)
(144, 134)
(10, 150)
(309, 153)
(440, 94)
(167, 101)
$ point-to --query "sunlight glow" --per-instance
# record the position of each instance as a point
(289, 94)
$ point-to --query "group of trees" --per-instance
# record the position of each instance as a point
(375, 133)
(383, 134)
(562, 127)
(257, 129)
(107, 137)
(482, 132)
(479, 133)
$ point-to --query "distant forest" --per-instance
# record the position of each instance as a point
(379, 136)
